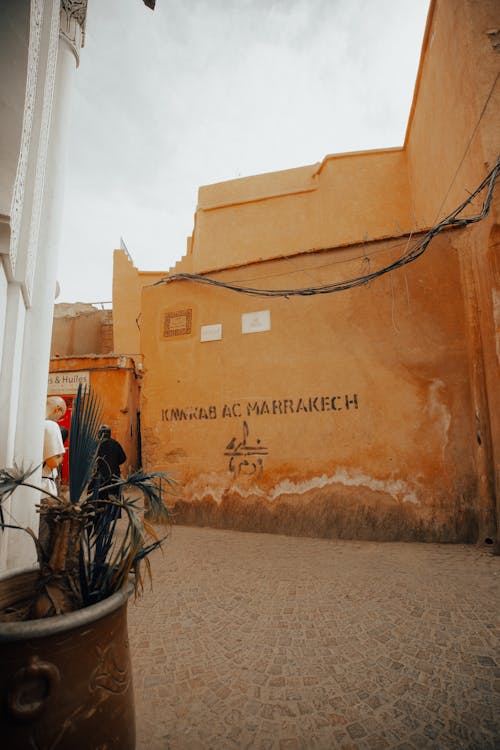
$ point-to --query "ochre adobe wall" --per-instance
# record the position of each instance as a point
(335, 202)
(79, 329)
(371, 413)
(345, 419)
(127, 286)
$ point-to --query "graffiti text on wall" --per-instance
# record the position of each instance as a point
(245, 456)
(260, 407)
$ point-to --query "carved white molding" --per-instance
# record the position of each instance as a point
(43, 145)
(73, 17)
(77, 9)
(16, 210)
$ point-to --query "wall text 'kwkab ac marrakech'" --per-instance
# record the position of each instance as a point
(261, 407)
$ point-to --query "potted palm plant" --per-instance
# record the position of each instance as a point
(66, 677)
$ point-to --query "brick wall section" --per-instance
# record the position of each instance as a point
(107, 333)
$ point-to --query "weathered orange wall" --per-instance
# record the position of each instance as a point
(127, 285)
(115, 381)
(334, 203)
(452, 140)
(81, 329)
(398, 465)
(371, 413)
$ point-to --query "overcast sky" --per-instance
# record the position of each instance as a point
(201, 91)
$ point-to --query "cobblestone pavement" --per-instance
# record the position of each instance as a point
(263, 641)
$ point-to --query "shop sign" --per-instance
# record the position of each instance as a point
(66, 383)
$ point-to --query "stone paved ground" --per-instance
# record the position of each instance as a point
(262, 641)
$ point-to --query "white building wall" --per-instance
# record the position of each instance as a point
(29, 229)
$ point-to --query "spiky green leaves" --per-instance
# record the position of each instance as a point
(85, 421)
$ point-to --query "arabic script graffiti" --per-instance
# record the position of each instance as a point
(244, 457)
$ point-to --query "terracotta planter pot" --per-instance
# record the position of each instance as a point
(65, 681)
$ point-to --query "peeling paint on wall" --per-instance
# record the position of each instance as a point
(334, 511)
(396, 488)
(439, 413)
(212, 485)
(496, 316)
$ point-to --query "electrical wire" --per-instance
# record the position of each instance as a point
(411, 254)
(318, 266)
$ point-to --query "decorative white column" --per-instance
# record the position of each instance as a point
(72, 31)
(67, 22)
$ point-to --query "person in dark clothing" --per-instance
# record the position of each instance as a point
(110, 456)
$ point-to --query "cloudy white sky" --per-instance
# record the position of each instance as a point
(201, 91)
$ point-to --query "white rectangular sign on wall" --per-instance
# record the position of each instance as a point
(255, 322)
(211, 333)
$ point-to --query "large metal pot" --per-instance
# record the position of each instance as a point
(65, 681)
